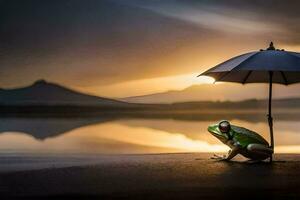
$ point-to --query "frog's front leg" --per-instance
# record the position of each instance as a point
(231, 154)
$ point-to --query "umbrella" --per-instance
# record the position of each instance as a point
(265, 66)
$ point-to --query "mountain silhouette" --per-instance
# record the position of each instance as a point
(43, 93)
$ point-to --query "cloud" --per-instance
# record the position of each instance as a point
(95, 43)
(214, 17)
(278, 19)
(98, 42)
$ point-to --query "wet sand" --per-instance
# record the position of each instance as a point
(163, 176)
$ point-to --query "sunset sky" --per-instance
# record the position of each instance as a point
(120, 48)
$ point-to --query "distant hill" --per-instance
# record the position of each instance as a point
(43, 93)
(217, 92)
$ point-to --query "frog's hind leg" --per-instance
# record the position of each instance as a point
(259, 151)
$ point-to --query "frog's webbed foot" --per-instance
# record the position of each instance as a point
(232, 153)
(218, 157)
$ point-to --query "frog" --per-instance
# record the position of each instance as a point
(241, 141)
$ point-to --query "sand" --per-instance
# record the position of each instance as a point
(163, 176)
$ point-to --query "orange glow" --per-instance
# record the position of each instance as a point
(148, 86)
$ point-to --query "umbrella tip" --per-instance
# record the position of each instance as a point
(271, 46)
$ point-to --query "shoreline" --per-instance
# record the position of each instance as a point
(16, 162)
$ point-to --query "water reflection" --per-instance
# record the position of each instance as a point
(126, 136)
(42, 128)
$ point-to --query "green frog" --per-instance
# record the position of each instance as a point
(241, 141)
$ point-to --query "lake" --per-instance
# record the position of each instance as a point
(100, 135)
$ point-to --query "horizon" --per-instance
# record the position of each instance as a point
(131, 99)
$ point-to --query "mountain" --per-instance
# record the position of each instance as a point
(217, 92)
(49, 99)
(43, 93)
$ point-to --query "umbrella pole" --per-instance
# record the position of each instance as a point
(270, 119)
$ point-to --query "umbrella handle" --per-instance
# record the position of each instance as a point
(270, 122)
(270, 119)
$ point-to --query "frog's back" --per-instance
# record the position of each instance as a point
(246, 136)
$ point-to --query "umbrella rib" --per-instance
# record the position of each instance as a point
(247, 76)
(246, 60)
(220, 79)
(209, 70)
(223, 76)
(284, 77)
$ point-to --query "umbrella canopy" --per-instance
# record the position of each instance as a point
(255, 67)
(265, 66)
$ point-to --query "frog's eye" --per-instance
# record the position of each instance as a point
(224, 126)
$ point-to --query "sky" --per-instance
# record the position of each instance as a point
(120, 48)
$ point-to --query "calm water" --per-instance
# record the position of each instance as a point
(128, 136)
